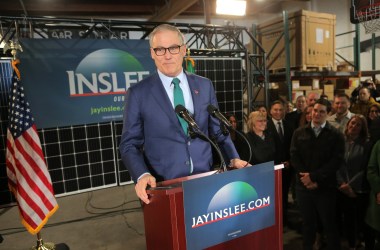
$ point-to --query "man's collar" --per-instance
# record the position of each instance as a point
(167, 79)
(276, 121)
(322, 125)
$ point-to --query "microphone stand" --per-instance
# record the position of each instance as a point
(222, 166)
(246, 141)
(224, 129)
(241, 135)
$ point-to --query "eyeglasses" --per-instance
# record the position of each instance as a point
(162, 51)
(374, 111)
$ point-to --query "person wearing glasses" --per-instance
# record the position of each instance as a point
(155, 143)
(262, 143)
(373, 113)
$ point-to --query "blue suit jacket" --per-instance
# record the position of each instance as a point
(153, 140)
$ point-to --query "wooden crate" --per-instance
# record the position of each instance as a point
(311, 41)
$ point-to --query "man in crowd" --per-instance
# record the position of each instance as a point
(294, 117)
(282, 132)
(311, 98)
(365, 100)
(317, 152)
(342, 115)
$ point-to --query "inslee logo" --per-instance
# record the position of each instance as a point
(242, 198)
(105, 72)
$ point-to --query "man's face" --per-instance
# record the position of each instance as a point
(319, 114)
(364, 95)
(312, 98)
(169, 64)
(301, 103)
(341, 105)
(277, 111)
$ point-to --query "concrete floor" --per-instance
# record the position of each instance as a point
(107, 219)
(104, 219)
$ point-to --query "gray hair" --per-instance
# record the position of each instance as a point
(164, 27)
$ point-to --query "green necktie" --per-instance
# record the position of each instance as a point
(178, 99)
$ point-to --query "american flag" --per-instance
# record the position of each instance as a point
(28, 176)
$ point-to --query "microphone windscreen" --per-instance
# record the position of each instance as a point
(179, 108)
(211, 109)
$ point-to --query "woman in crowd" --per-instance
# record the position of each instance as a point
(263, 109)
(262, 144)
(236, 137)
(352, 182)
(373, 113)
(306, 115)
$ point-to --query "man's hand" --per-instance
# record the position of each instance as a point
(312, 185)
(307, 182)
(237, 163)
(378, 198)
(286, 164)
(347, 190)
(141, 186)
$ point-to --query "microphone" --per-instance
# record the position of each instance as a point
(184, 114)
(212, 110)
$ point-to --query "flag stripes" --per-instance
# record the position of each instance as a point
(29, 178)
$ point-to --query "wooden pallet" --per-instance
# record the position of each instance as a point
(305, 68)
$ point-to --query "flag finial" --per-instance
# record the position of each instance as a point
(190, 63)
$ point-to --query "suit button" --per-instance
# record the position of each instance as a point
(187, 162)
(188, 143)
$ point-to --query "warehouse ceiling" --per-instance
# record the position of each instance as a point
(151, 10)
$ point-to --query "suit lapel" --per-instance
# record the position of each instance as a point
(194, 91)
(157, 91)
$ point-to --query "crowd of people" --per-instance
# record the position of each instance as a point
(331, 156)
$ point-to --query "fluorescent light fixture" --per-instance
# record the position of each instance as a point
(231, 7)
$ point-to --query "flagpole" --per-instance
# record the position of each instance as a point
(43, 246)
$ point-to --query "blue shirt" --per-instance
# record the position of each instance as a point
(184, 84)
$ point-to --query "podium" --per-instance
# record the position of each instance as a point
(165, 225)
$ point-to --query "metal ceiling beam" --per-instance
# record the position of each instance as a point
(76, 9)
(172, 9)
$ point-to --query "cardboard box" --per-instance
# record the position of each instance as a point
(349, 91)
(295, 84)
(315, 84)
(311, 40)
(320, 91)
(296, 94)
(328, 88)
(353, 82)
(305, 88)
(344, 66)
(330, 95)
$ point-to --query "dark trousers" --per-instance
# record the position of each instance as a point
(320, 203)
(352, 212)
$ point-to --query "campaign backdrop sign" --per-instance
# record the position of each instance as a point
(81, 81)
(221, 207)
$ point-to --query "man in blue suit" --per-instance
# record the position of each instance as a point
(154, 145)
